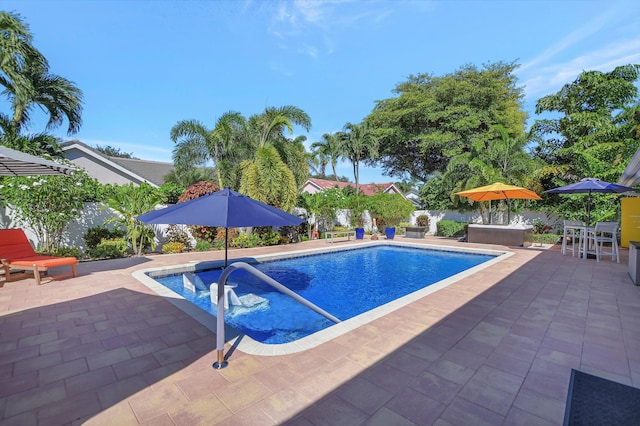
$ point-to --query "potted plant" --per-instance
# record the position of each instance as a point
(358, 205)
(391, 209)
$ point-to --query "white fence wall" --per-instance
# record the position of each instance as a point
(94, 215)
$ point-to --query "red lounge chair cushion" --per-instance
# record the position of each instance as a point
(44, 261)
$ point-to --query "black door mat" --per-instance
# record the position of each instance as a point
(593, 400)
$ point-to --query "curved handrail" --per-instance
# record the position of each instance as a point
(222, 281)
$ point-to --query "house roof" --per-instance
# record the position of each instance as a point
(137, 171)
(367, 189)
(153, 171)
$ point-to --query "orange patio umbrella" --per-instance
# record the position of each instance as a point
(499, 191)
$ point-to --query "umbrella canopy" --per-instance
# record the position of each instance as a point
(17, 163)
(499, 191)
(225, 208)
(589, 185)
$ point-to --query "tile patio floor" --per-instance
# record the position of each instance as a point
(494, 348)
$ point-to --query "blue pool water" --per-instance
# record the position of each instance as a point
(344, 283)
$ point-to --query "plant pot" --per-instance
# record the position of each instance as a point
(359, 233)
(390, 233)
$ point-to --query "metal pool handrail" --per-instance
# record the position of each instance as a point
(221, 363)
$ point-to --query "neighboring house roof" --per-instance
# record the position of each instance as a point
(413, 196)
(115, 170)
(313, 185)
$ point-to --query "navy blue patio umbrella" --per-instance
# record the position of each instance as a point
(228, 209)
(225, 208)
(589, 185)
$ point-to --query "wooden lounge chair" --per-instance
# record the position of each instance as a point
(16, 253)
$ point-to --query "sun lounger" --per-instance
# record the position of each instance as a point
(16, 253)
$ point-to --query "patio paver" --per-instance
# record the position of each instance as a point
(496, 347)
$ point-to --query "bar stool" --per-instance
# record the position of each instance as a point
(573, 229)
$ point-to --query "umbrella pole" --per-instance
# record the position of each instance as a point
(226, 245)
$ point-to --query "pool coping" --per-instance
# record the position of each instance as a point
(250, 346)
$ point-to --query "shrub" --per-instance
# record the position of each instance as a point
(271, 238)
(112, 248)
(95, 235)
(197, 190)
(66, 252)
(173, 247)
(450, 228)
(204, 233)
(177, 234)
(245, 241)
(232, 233)
(422, 220)
(203, 245)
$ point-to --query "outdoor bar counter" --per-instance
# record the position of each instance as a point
(505, 235)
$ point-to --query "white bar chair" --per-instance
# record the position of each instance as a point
(572, 229)
(604, 232)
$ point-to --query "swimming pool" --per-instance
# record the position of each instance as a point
(333, 281)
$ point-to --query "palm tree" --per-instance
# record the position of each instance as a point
(330, 148)
(196, 144)
(267, 126)
(320, 156)
(27, 81)
(294, 154)
(357, 144)
(266, 135)
(268, 179)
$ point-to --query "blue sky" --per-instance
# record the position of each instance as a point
(145, 65)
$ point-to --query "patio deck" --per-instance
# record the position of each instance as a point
(494, 348)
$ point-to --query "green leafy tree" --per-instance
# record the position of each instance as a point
(595, 134)
(390, 209)
(129, 202)
(47, 204)
(434, 119)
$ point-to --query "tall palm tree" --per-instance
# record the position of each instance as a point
(357, 144)
(320, 156)
(24, 73)
(196, 144)
(330, 150)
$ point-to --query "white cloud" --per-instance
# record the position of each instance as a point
(550, 78)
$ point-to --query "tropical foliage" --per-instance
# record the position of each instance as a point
(595, 135)
(253, 156)
(27, 82)
(130, 201)
(433, 119)
(390, 209)
(47, 204)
